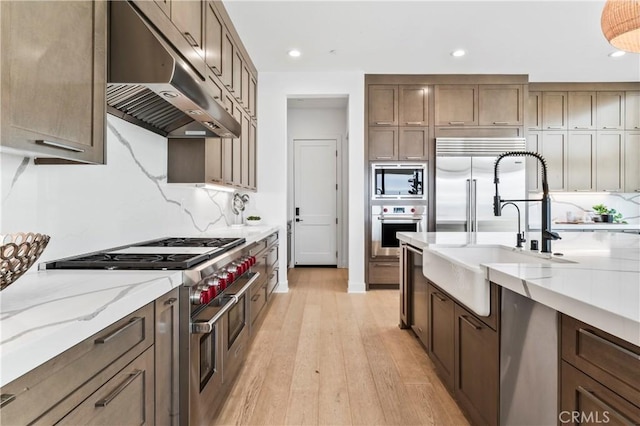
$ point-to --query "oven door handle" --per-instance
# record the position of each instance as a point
(206, 327)
(398, 219)
(246, 287)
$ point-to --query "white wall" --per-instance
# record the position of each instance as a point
(322, 123)
(273, 176)
(91, 207)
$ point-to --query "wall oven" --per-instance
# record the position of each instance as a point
(387, 220)
(398, 181)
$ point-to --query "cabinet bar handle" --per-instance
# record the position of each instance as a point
(413, 158)
(132, 376)
(384, 158)
(192, 41)
(611, 190)
(592, 396)
(501, 123)
(216, 71)
(457, 123)
(59, 145)
(555, 127)
(468, 321)
(385, 265)
(582, 190)
(6, 398)
(115, 334)
(636, 190)
(170, 301)
(439, 297)
(609, 343)
(384, 122)
(255, 297)
(413, 122)
(581, 128)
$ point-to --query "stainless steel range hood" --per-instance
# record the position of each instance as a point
(151, 85)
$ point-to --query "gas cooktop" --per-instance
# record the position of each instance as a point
(176, 253)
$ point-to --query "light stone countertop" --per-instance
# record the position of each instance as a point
(44, 313)
(602, 288)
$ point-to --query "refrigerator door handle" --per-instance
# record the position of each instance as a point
(468, 206)
(474, 208)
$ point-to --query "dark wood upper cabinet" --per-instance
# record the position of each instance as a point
(187, 16)
(383, 105)
(252, 97)
(414, 105)
(213, 40)
(245, 89)
(456, 105)
(413, 143)
(236, 76)
(383, 143)
(582, 110)
(53, 88)
(500, 104)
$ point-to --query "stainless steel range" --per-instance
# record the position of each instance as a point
(213, 304)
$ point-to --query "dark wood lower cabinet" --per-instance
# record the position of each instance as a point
(441, 334)
(476, 368)
(419, 318)
(584, 400)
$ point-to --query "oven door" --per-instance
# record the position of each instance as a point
(383, 233)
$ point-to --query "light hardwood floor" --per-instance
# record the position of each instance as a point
(326, 357)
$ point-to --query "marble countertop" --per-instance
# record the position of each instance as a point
(47, 312)
(601, 288)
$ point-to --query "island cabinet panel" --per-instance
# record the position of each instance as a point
(477, 367)
(414, 105)
(383, 105)
(456, 105)
(610, 361)
(632, 161)
(53, 88)
(500, 105)
(610, 161)
(419, 289)
(167, 359)
(581, 147)
(554, 110)
(632, 111)
(441, 334)
(582, 110)
(534, 111)
(610, 110)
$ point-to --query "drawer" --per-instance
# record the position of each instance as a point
(257, 301)
(126, 399)
(384, 273)
(587, 399)
(611, 361)
(272, 257)
(51, 387)
(263, 244)
(272, 281)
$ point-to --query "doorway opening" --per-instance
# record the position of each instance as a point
(318, 188)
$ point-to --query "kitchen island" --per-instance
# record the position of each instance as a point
(533, 328)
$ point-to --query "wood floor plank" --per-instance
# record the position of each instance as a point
(324, 356)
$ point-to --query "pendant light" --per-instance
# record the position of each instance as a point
(621, 24)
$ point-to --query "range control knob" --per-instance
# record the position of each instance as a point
(200, 297)
(222, 280)
(413, 210)
(385, 210)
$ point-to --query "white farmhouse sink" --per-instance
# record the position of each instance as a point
(459, 270)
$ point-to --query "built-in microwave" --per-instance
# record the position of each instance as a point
(391, 181)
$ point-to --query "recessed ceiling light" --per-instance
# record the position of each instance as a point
(294, 53)
(458, 53)
(617, 53)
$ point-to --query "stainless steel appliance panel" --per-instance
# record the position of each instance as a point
(391, 181)
(386, 221)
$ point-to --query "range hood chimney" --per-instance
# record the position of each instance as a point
(151, 85)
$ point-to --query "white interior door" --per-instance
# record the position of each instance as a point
(315, 202)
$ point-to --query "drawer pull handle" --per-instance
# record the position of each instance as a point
(384, 122)
(457, 123)
(413, 158)
(590, 334)
(413, 122)
(501, 123)
(555, 127)
(132, 376)
(255, 297)
(439, 297)
(468, 321)
(192, 41)
(114, 334)
(594, 398)
(385, 265)
(59, 145)
(6, 398)
(170, 301)
(384, 158)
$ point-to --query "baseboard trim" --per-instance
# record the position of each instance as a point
(356, 287)
(282, 287)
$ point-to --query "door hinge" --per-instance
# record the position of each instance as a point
(336, 220)
(336, 254)
(336, 186)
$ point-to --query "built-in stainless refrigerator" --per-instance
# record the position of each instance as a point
(465, 188)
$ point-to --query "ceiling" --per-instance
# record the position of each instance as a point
(549, 40)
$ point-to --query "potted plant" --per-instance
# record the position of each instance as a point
(607, 215)
(254, 220)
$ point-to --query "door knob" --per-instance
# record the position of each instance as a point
(298, 220)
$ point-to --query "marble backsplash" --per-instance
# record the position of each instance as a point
(577, 204)
(91, 207)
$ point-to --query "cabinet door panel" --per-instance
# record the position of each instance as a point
(554, 110)
(383, 105)
(632, 162)
(244, 137)
(414, 106)
(456, 105)
(166, 359)
(419, 298)
(383, 143)
(534, 111)
(54, 80)
(236, 77)
(580, 161)
(252, 97)
(582, 110)
(441, 334)
(252, 157)
(610, 110)
(500, 105)
(413, 143)
(236, 153)
(213, 41)
(534, 178)
(246, 76)
(554, 150)
(632, 110)
(227, 61)
(609, 161)
(187, 17)
(476, 368)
